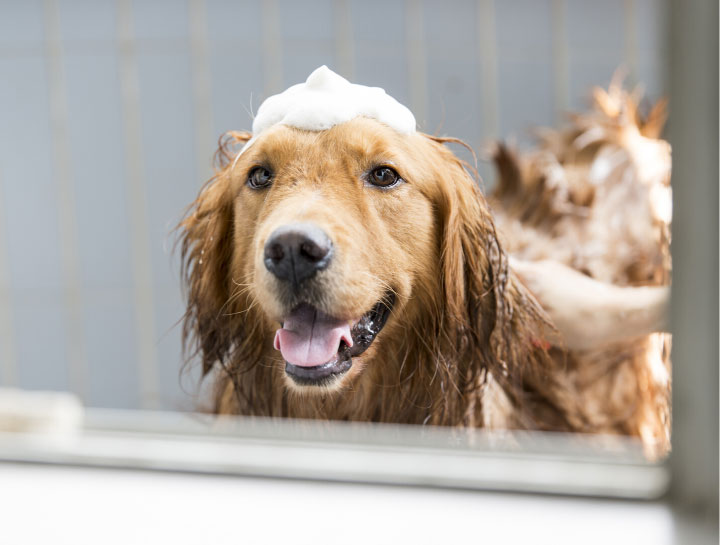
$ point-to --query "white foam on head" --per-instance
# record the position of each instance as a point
(327, 99)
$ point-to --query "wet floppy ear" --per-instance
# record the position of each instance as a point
(206, 243)
(229, 144)
(491, 319)
(474, 268)
(486, 304)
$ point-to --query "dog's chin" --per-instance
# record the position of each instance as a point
(330, 375)
(324, 378)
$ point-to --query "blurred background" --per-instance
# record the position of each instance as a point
(110, 111)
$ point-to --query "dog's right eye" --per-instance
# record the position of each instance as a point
(259, 178)
(384, 177)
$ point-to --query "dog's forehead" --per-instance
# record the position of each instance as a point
(361, 139)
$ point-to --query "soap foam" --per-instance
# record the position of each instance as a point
(327, 99)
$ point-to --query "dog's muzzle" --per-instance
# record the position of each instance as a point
(317, 347)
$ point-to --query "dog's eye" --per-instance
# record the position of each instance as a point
(384, 177)
(259, 178)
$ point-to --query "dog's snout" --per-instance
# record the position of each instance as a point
(297, 251)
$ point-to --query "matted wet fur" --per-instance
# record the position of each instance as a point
(596, 196)
(465, 343)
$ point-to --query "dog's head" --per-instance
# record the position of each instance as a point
(325, 255)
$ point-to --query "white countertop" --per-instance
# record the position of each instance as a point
(49, 504)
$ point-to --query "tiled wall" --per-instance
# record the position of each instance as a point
(110, 109)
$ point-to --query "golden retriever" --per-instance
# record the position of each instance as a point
(371, 260)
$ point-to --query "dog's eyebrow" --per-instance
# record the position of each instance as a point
(383, 159)
(388, 162)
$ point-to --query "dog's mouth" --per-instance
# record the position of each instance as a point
(319, 348)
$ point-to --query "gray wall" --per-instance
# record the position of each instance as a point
(109, 112)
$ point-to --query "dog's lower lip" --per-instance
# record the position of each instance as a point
(320, 373)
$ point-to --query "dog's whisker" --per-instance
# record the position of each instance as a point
(233, 297)
(249, 110)
(383, 283)
(253, 303)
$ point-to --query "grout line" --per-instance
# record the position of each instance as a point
(561, 59)
(487, 53)
(630, 50)
(8, 355)
(67, 209)
(138, 209)
(417, 61)
(201, 89)
(272, 48)
(344, 39)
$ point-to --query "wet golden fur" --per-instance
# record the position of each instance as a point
(596, 196)
(464, 343)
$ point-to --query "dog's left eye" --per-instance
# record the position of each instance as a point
(259, 178)
(384, 177)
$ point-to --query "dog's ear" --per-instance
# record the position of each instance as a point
(474, 267)
(490, 317)
(206, 242)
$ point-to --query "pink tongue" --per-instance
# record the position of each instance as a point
(309, 338)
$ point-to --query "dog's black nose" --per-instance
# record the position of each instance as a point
(295, 252)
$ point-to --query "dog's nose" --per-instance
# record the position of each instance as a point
(295, 252)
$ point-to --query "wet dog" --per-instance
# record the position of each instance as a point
(356, 273)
